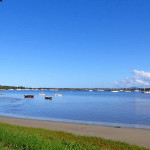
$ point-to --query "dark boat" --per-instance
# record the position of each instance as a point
(46, 97)
(28, 96)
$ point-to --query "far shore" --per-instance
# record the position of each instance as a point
(133, 136)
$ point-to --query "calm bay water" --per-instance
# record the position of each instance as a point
(103, 108)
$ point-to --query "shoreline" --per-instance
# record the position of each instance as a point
(134, 136)
(109, 124)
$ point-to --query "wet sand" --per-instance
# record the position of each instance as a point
(140, 137)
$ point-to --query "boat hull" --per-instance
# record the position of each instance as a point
(46, 97)
(28, 96)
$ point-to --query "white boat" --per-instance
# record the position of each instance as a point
(127, 91)
(41, 94)
(90, 90)
(115, 91)
(58, 94)
(136, 90)
(147, 92)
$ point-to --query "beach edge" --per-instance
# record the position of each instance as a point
(134, 136)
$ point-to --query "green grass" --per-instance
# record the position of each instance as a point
(23, 138)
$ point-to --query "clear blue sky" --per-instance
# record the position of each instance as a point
(73, 43)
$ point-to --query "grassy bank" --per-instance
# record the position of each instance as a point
(16, 137)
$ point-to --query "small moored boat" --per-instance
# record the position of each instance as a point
(28, 96)
(58, 94)
(115, 91)
(47, 97)
(90, 90)
(41, 94)
(147, 92)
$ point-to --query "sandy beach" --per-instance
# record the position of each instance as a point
(140, 137)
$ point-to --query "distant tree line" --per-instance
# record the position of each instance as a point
(11, 87)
